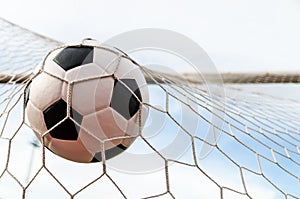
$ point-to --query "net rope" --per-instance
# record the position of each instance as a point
(257, 154)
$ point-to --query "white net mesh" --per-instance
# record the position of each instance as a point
(256, 156)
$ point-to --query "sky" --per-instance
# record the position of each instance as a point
(248, 35)
(135, 185)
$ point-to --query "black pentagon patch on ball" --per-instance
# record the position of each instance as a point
(74, 56)
(123, 100)
(110, 153)
(67, 130)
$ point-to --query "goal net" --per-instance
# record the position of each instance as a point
(195, 144)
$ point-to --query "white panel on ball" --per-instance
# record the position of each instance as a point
(44, 91)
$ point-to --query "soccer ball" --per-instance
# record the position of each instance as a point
(85, 100)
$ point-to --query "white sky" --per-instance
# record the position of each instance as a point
(246, 35)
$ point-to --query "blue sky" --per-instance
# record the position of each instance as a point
(238, 36)
(216, 165)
